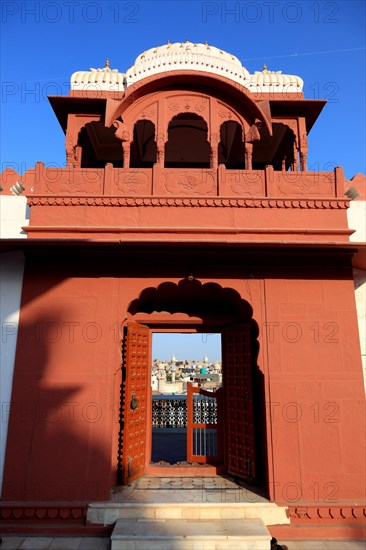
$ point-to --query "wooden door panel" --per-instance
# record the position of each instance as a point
(137, 361)
(239, 418)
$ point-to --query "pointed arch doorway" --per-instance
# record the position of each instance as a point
(192, 307)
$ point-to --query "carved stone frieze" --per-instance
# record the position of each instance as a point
(200, 107)
(306, 185)
(71, 182)
(189, 182)
(243, 184)
(132, 182)
(148, 113)
(213, 202)
(224, 113)
(191, 103)
(174, 107)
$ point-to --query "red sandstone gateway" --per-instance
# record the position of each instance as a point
(185, 206)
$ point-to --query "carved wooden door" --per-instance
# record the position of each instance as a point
(204, 425)
(239, 418)
(135, 400)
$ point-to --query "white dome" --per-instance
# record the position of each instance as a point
(186, 48)
(274, 81)
(186, 56)
(106, 79)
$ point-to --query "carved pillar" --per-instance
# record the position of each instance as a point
(123, 134)
(160, 150)
(303, 161)
(126, 146)
(72, 151)
(295, 164)
(248, 155)
(69, 146)
(293, 126)
(303, 144)
(214, 153)
(303, 153)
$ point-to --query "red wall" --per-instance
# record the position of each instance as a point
(62, 417)
(316, 388)
(63, 430)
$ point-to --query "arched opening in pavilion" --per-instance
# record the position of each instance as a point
(99, 146)
(279, 150)
(187, 145)
(231, 146)
(143, 146)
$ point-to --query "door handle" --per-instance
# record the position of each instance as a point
(134, 402)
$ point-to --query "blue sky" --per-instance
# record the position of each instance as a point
(186, 346)
(44, 42)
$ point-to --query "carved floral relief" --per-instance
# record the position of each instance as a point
(189, 182)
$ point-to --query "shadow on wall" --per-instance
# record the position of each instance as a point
(57, 447)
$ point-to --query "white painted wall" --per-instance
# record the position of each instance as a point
(11, 281)
(359, 277)
(14, 214)
(356, 214)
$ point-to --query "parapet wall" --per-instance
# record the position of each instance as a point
(186, 204)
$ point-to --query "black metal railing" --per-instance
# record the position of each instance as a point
(170, 411)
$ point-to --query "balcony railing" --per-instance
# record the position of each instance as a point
(170, 411)
(178, 182)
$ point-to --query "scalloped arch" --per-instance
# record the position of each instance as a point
(192, 298)
(235, 94)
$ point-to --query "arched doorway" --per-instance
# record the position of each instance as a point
(98, 146)
(187, 145)
(191, 306)
(231, 146)
(143, 146)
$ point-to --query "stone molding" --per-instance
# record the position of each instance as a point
(13, 512)
(19, 512)
(326, 512)
(214, 202)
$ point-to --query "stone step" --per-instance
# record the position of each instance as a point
(107, 513)
(168, 534)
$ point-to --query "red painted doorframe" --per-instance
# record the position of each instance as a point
(180, 323)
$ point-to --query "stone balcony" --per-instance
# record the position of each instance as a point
(186, 205)
(179, 182)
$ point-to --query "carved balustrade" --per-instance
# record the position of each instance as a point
(116, 183)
